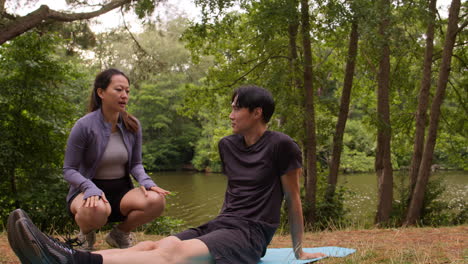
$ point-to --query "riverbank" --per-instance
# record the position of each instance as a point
(404, 245)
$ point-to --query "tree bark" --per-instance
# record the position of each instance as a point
(416, 204)
(45, 15)
(383, 165)
(311, 181)
(292, 35)
(2, 7)
(344, 110)
(423, 99)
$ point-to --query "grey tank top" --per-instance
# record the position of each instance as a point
(114, 159)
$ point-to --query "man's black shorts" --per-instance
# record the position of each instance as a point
(232, 240)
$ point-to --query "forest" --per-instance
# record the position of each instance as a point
(362, 86)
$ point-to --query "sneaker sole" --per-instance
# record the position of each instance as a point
(12, 218)
(30, 247)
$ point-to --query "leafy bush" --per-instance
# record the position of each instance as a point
(163, 225)
(35, 112)
(330, 213)
(436, 210)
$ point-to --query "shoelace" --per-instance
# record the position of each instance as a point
(72, 242)
(65, 246)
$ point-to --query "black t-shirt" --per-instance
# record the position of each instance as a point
(254, 189)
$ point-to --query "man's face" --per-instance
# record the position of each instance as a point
(242, 119)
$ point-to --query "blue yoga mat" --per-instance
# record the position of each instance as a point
(286, 255)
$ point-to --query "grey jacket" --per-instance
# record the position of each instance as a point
(86, 144)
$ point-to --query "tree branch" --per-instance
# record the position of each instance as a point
(45, 15)
(459, 96)
(139, 46)
(248, 72)
(461, 27)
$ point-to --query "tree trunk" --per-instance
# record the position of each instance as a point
(295, 80)
(416, 204)
(423, 99)
(311, 184)
(293, 28)
(383, 165)
(344, 110)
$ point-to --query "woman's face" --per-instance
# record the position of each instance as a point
(115, 96)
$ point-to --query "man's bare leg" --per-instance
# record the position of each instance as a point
(170, 250)
(141, 246)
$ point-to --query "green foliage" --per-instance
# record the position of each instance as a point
(330, 213)
(169, 137)
(34, 109)
(437, 210)
(358, 148)
(144, 8)
(160, 77)
(214, 119)
(164, 226)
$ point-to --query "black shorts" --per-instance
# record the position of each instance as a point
(232, 240)
(114, 191)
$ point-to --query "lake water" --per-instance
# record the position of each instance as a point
(199, 196)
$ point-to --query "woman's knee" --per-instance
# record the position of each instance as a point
(97, 214)
(156, 202)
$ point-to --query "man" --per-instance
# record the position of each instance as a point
(262, 167)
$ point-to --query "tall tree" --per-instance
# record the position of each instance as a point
(383, 165)
(311, 144)
(13, 25)
(423, 98)
(416, 203)
(344, 110)
(293, 27)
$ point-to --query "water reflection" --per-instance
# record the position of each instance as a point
(200, 196)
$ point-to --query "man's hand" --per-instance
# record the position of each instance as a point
(291, 188)
(305, 255)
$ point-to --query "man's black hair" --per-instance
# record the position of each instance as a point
(252, 96)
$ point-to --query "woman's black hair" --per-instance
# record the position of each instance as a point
(103, 79)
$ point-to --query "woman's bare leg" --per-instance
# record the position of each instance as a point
(89, 218)
(140, 209)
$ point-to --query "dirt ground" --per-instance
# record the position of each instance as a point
(406, 245)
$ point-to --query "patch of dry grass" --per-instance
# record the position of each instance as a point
(392, 246)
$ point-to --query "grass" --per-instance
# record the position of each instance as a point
(392, 246)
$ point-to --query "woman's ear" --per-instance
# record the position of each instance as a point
(99, 92)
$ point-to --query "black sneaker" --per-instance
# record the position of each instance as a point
(32, 246)
(12, 218)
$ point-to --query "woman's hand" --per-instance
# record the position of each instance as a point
(93, 200)
(156, 189)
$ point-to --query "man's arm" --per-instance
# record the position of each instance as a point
(290, 182)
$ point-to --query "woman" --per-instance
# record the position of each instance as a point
(103, 148)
